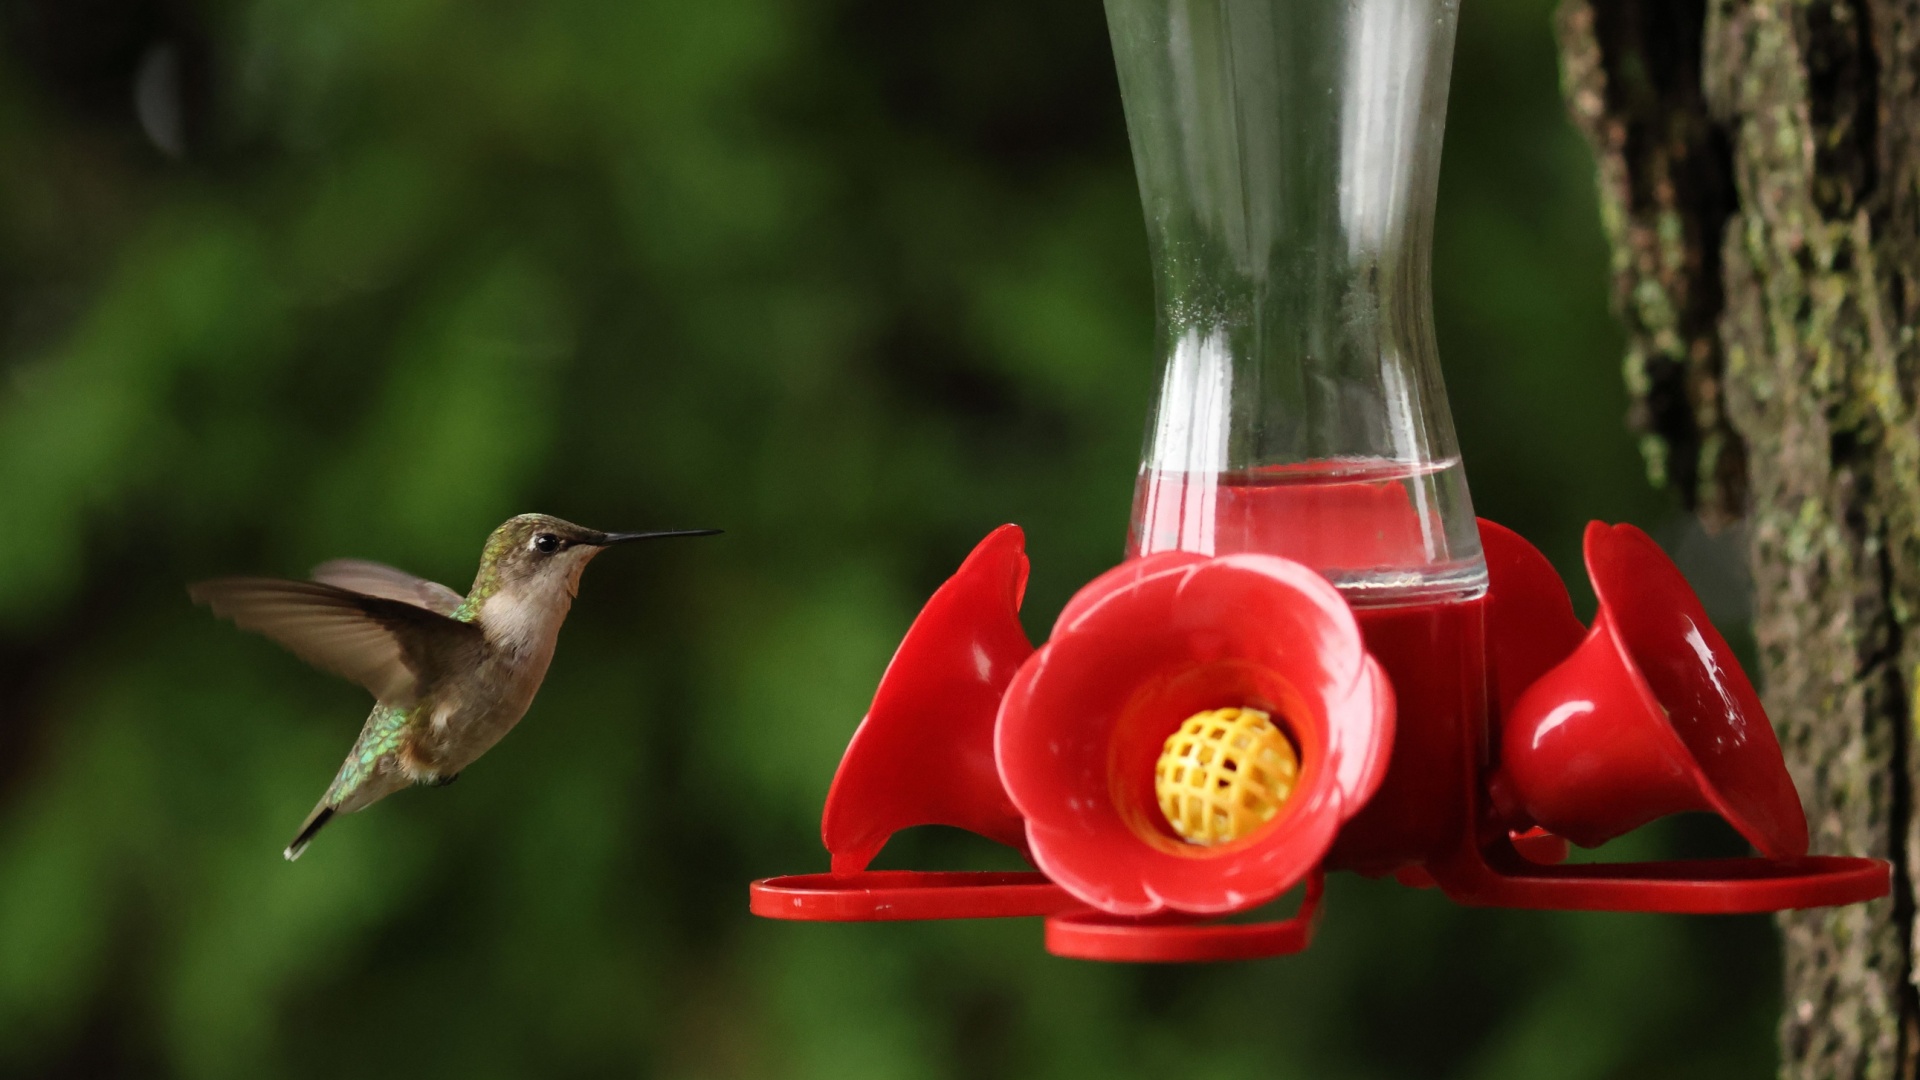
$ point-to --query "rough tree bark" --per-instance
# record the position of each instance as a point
(1759, 165)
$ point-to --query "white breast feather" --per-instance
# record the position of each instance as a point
(512, 621)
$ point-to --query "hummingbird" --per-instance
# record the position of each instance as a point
(450, 674)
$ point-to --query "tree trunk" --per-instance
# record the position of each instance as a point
(1759, 165)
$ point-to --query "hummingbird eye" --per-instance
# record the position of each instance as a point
(546, 543)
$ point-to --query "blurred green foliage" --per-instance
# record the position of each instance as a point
(855, 281)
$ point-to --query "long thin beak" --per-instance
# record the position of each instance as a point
(622, 538)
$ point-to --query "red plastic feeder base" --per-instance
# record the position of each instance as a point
(1092, 935)
(901, 895)
(1695, 887)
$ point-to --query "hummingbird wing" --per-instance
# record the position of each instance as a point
(379, 579)
(392, 648)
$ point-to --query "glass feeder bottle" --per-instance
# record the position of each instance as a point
(1288, 157)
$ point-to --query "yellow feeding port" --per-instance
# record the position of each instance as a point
(1225, 773)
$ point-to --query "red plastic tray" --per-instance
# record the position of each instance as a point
(897, 895)
(1093, 935)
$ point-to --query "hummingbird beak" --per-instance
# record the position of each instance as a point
(609, 539)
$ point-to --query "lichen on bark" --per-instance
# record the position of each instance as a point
(1631, 75)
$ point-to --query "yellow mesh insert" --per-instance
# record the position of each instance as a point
(1225, 773)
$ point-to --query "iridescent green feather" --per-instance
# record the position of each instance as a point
(384, 731)
(488, 581)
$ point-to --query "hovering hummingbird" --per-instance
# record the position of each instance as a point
(450, 674)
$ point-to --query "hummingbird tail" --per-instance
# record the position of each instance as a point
(320, 816)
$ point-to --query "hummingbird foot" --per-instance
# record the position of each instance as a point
(441, 781)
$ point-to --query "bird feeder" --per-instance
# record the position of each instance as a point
(1314, 657)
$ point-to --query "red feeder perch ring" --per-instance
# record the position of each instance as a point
(898, 895)
(1093, 935)
(1697, 887)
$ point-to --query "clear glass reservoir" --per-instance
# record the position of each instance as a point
(1288, 155)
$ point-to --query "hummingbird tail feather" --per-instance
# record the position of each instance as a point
(320, 816)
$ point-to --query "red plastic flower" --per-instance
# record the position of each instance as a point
(923, 755)
(1135, 653)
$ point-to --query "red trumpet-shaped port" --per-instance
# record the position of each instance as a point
(924, 753)
(1651, 715)
(1530, 621)
(1139, 650)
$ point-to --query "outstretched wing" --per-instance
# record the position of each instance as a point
(394, 649)
(379, 579)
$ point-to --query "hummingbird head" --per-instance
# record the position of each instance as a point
(537, 554)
